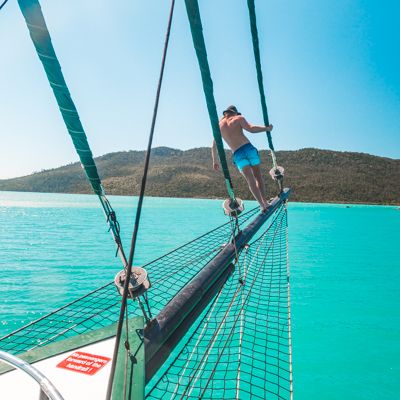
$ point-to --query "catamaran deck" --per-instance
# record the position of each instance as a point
(77, 380)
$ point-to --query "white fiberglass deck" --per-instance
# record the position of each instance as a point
(72, 385)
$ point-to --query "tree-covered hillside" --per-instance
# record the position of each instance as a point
(315, 175)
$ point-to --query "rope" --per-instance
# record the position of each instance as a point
(211, 343)
(127, 351)
(289, 314)
(41, 39)
(244, 301)
(113, 227)
(205, 357)
(206, 319)
(192, 9)
(197, 371)
(236, 228)
(3, 4)
(139, 208)
(211, 352)
(256, 49)
(242, 321)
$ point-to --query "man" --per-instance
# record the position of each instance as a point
(245, 155)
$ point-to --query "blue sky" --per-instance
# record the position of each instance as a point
(331, 72)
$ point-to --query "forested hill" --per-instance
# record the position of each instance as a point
(315, 175)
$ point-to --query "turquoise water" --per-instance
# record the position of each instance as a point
(345, 276)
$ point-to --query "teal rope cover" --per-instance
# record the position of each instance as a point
(256, 49)
(192, 9)
(41, 38)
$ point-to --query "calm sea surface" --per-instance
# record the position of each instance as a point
(345, 276)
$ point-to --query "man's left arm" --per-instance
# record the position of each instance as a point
(214, 155)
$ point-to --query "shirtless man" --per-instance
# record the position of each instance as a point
(245, 155)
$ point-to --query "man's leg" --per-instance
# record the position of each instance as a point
(253, 186)
(260, 181)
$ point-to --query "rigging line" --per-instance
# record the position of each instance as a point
(235, 226)
(210, 346)
(3, 4)
(259, 241)
(41, 39)
(289, 316)
(139, 207)
(127, 352)
(280, 327)
(113, 226)
(236, 319)
(205, 357)
(271, 273)
(197, 371)
(243, 304)
(207, 316)
(241, 329)
(212, 342)
(256, 49)
(193, 12)
(214, 338)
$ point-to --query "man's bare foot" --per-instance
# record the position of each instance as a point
(266, 204)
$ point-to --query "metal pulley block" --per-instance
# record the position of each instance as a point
(277, 173)
(139, 282)
(233, 207)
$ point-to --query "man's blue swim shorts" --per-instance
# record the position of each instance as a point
(246, 155)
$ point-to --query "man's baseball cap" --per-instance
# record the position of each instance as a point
(231, 110)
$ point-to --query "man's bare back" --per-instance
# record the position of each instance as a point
(232, 131)
(231, 126)
(245, 155)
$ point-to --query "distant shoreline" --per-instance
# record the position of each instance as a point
(316, 176)
(339, 203)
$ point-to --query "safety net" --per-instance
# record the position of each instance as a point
(100, 308)
(240, 348)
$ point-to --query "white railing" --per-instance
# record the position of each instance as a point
(47, 389)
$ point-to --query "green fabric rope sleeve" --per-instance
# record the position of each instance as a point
(41, 39)
(256, 49)
(193, 12)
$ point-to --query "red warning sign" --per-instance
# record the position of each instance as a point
(84, 363)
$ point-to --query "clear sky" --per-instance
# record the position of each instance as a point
(331, 72)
